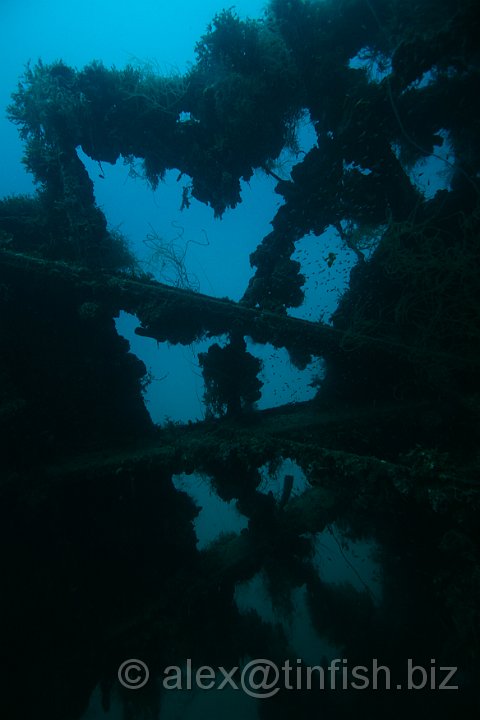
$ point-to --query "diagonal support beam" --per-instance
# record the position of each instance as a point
(168, 313)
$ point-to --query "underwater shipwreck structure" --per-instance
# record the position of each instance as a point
(98, 552)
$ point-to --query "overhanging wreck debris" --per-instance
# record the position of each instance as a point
(98, 551)
(169, 313)
(183, 316)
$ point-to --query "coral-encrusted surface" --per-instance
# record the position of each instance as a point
(98, 555)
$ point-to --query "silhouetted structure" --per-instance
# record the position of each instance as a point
(98, 552)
